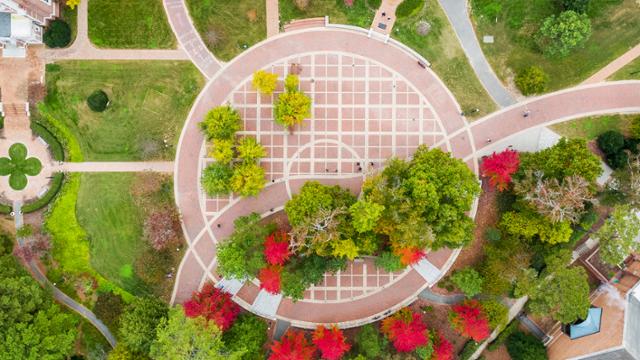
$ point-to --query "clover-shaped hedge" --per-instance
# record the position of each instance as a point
(17, 166)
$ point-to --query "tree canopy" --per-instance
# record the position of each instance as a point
(619, 236)
(138, 323)
(221, 122)
(560, 34)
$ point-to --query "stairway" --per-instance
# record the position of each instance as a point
(16, 117)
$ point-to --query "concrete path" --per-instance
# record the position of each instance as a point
(83, 49)
(57, 294)
(124, 166)
(429, 295)
(458, 14)
(273, 18)
(614, 66)
(189, 39)
(533, 328)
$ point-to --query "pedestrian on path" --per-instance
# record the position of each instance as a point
(526, 113)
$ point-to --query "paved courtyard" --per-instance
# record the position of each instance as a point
(365, 110)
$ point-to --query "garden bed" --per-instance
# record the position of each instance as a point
(360, 14)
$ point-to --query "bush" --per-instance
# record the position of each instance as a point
(56, 184)
(57, 151)
(57, 35)
(409, 7)
(469, 348)
(522, 346)
(492, 234)
(532, 80)
(291, 82)
(632, 145)
(389, 262)
(503, 335)
(98, 101)
(369, 342)
(635, 127)
(469, 281)
(496, 312)
(1, 121)
(108, 308)
(563, 33)
(216, 179)
(617, 160)
(249, 332)
(610, 142)
(579, 6)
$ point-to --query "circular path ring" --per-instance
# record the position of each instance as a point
(198, 264)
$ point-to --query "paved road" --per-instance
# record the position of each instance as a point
(124, 166)
(429, 295)
(189, 38)
(83, 49)
(59, 295)
(458, 14)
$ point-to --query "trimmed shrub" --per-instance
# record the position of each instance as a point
(409, 7)
(57, 151)
(523, 346)
(98, 101)
(532, 80)
(57, 35)
(56, 184)
(610, 142)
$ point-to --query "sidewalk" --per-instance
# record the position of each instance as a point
(614, 66)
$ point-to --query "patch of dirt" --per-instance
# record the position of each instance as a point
(487, 216)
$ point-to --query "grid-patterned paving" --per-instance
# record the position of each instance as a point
(363, 113)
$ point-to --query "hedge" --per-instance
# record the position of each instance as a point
(56, 184)
(55, 146)
(409, 7)
(64, 135)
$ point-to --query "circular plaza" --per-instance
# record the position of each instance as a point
(371, 101)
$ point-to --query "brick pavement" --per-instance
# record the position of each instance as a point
(614, 66)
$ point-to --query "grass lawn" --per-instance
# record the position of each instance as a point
(630, 72)
(112, 208)
(442, 48)
(360, 14)
(590, 127)
(126, 24)
(615, 25)
(107, 212)
(229, 27)
(149, 103)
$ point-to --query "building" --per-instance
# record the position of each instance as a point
(22, 23)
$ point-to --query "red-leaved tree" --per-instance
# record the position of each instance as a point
(406, 330)
(293, 346)
(270, 279)
(499, 168)
(442, 349)
(331, 342)
(469, 320)
(276, 248)
(410, 256)
(212, 304)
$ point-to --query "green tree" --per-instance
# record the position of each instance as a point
(389, 262)
(369, 342)
(523, 346)
(32, 327)
(496, 312)
(532, 80)
(564, 159)
(248, 179)
(610, 142)
(221, 122)
(618, 236)
(314, 197)
(579, 6)
(503, 264)
(108, 308)
(120, 352)
(180, 337)
(249, 150)
(222, 151)
(469, 281)
(559, 291)
(138, 323)
(264, 82)
(560, 34)
(529, 225)
(291, 108)
(248, 332)
(240, 255)
(365, 215)
(216, 179)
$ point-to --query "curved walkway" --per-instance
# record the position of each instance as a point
(340, 69)
(59, 295)
(458, 14)
(189, 39)
(83, 49)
